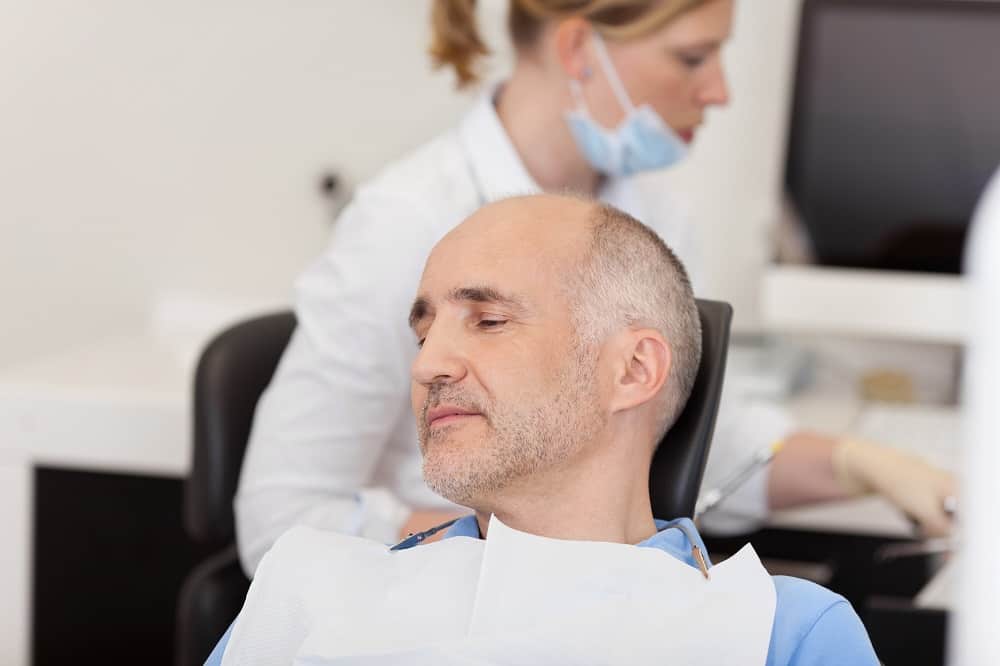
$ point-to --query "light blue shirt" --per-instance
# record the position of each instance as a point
(812, 625)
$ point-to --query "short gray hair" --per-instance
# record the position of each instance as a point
(630, 277)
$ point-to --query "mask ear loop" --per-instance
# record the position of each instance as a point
(612, 74)
(576, 90)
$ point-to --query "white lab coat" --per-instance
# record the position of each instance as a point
(334, 443)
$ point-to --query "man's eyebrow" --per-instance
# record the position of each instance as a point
(486, 294)
(420, 308)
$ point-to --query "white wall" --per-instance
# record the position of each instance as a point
(174, 145)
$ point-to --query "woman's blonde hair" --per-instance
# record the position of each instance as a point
(457, 43)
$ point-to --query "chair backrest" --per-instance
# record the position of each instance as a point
(233, 371)
(679, 463)
(237, 365)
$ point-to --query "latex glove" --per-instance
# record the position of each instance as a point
(916, 487)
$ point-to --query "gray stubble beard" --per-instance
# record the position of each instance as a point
(521, 443)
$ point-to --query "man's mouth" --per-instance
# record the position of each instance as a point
(442, 415)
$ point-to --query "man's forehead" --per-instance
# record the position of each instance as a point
(456, 270)
(514, 238)
(524, 246)
(459, 281)
(537, 215)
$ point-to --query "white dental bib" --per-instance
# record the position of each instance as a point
(514, 598)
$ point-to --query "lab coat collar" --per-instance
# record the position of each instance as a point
(499, 171)
(675, 542)
(495, 164)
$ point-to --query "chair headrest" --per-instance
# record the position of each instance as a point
(679, 462)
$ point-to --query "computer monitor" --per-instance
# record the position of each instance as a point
(893, 134)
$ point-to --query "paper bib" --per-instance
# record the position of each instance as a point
(322, 598)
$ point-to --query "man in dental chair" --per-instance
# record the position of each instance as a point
(559, 339)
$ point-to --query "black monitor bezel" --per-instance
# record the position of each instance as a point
(798, 108)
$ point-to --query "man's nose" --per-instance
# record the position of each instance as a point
(439, 360)
(715, 90)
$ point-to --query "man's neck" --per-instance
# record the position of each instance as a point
(586, 503)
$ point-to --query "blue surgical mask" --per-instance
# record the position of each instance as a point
(641, 142)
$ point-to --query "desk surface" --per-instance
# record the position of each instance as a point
(121, 404)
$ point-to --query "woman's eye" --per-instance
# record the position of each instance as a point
(692, 60)
(420, 343)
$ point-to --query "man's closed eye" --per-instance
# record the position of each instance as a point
(491, 324)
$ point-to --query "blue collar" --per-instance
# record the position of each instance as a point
(675, 537)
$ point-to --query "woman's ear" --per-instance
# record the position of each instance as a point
(570, 37)
(644, 361)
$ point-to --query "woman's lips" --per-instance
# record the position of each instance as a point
(686, 135)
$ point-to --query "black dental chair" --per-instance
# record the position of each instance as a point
(237, 366)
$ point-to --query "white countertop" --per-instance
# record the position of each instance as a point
(121, 404)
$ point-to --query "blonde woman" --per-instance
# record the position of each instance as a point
(601, 90)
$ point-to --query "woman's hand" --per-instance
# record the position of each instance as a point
(916, 487)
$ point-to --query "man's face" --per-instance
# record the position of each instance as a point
(500, 389)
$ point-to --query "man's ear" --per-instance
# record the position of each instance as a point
(571, 37)
(643, 359)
